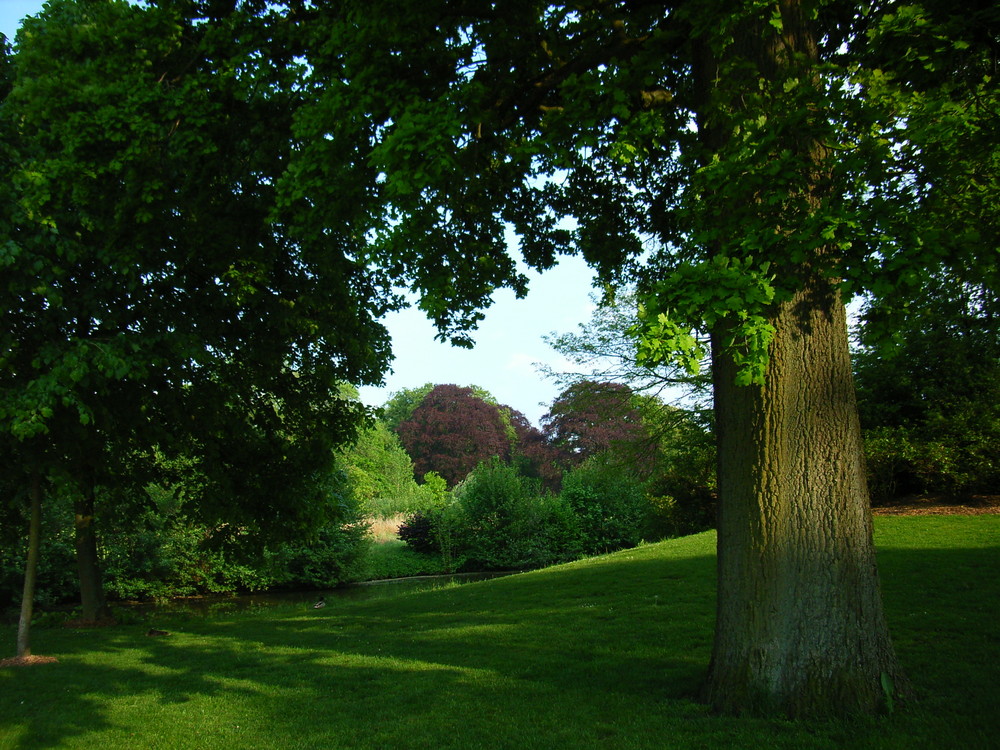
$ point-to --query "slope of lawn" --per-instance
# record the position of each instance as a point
(601, 653)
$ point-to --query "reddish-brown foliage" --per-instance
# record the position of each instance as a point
(452, 431)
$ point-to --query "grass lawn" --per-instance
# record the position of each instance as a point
(390, 557)
(602, 653)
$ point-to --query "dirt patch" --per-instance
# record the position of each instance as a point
(935, 506)
(27, 661)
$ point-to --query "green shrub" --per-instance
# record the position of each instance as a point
(609, 503)
(439, 531)
(449, 522)
(57, 582)
(545, 531)
(903, 462)
(150, 549)
(888, 457)
(502, 521)
(693, 511)
(336, 555)
(681, 487)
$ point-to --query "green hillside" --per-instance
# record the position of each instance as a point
(602, 653)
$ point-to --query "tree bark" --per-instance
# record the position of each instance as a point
(30, 568)
(87, 560)
(800, 627)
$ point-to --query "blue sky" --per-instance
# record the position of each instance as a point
(12, 11)
(508, 343)
(509, 340)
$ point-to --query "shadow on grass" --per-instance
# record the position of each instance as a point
(601, 653)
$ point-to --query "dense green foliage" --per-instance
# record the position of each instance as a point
(506, 522)
(609, 503)
(153, 548)
(143, 256)
(504, 141)
(499, 519)
(417, 531)
(603, 652)
(929, 392)
(380, 473)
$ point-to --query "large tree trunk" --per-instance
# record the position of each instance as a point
(800, 628)
(30, 569)
(87, 560)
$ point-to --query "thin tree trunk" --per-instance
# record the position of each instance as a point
(87, 560)
(30, 569)
(800, 627)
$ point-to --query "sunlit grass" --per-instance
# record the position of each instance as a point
(394, 559)
(607, 652)
(390, 557)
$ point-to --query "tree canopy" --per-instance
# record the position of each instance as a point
(745, 165)
(590, 418)
(152, 292)
(452, 431)
(153, 299)
(380, 473)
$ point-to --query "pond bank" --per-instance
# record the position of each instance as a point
(377, 589)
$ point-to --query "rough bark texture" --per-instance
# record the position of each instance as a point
(87, 560)
(800, 628)
(30, 570)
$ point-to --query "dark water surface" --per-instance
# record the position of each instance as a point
(355, 591)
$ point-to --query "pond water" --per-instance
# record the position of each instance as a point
(355, 591)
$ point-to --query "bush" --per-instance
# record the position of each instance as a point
(902, 462)
(163, 557)
(418, 533)
(668, 516)
(609, 503)
(544, 532)
(679, 505)
(439, 531)
(502, 522)
(335, 556)
(151, 550)
(422, 530)
(57, 581)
